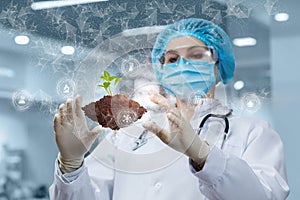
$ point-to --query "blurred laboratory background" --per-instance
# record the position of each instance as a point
(47, 47)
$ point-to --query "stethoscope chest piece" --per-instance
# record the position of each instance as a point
(142, 140)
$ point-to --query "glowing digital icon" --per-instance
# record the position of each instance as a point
(21, 100)
(66, 89)
(130, 67)
(251, 102)
(125, 117)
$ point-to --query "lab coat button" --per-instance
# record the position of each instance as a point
(157, 185)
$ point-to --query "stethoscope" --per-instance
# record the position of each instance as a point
(142, 140)
(225, 117)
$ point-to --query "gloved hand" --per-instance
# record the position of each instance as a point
(73, 138)
(180, 135)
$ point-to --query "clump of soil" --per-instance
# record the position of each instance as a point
(114, 112)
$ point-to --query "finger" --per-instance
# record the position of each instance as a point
(69, 110)
(157, 130)
(89, 138)
(161, 101)
(78, 103)
(183, 104)
(62, 114)
(179, 102)
(96, 131)
(174, 112)
(174, 119)
(56, 123)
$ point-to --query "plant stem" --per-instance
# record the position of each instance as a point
(109, 91)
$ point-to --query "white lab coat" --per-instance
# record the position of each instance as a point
(249, 166)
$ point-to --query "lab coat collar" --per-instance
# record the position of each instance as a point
(207, 106)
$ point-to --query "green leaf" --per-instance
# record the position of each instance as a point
(106, 84)
(105, 78)
(117, 80)
(112, 78)
(106, 74)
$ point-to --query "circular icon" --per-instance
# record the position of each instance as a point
(251, 102)
(130, 67)
(21, 100)
(65, 88)
(125, 118)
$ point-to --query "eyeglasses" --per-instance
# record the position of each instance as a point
(203, 53)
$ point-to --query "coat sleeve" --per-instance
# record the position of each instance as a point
(259, 174)
(80, 185)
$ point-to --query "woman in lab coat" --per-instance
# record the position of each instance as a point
(192, 149)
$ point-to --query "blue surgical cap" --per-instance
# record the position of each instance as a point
(206, 31)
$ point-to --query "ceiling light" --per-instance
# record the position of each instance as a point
(22, 39)
(281, 17)
(244, 42)
(6, 72)
(147, 30)
(238, 85)
(67, 50)
(61, 3)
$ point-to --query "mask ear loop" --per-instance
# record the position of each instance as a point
(218, 79)
(215, 54)
(215, 57)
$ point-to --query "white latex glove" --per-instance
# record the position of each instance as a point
(180, 136)
(73, 138)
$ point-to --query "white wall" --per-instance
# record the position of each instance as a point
(285, 54)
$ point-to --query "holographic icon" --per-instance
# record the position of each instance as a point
(251, 102)
(125, 118)
(130, 67)
(65, 88)
(21, 100)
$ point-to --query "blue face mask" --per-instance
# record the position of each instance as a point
(188, 79)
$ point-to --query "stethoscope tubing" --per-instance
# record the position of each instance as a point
(225, 117)
(142, 140)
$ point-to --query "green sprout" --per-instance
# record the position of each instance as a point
(107, 81)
